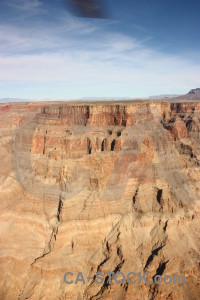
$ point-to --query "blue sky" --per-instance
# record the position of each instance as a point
(145, 48)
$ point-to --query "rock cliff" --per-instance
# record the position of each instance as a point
(99, 187)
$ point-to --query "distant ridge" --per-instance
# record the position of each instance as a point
(7, 100)
(163, 96)
(105, 98)
(194, 94)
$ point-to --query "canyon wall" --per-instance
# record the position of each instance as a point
(99, 187)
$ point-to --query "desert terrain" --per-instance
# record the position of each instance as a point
(99, 186)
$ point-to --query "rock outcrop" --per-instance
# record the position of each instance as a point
(99, 187)
(193, 95)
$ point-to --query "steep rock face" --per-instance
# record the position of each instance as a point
(99, 188)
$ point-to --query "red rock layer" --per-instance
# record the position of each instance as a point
(99, 187)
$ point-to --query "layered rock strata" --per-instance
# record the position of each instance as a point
(99, 187)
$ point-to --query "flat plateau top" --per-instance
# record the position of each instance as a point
(101, 102)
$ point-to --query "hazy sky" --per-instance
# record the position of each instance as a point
(147, 47)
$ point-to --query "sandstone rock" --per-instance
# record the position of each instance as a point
(99, 187)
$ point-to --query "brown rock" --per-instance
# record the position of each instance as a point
(99, 187)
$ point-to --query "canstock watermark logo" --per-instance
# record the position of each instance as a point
(24, 161)
(137, 170)
(120, 278)
(125, 168)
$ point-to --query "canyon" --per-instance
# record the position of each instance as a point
(101, 186)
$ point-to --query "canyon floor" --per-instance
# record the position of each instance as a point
(108, 186)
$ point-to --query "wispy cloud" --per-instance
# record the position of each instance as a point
(44, 36)
(25, 5)
(70, 57)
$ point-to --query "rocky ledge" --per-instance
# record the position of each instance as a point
(99, 187)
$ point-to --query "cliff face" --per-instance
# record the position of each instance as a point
(99, 188)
